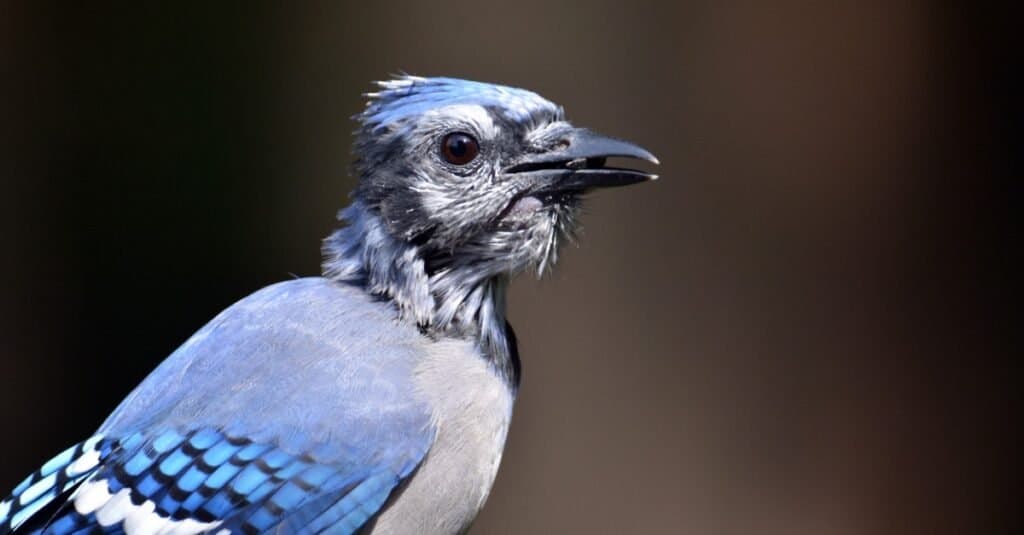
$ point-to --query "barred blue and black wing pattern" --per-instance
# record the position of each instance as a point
(293, 410)
(206, 481)
(57, 476)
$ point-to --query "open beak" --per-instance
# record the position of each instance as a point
(579, 164)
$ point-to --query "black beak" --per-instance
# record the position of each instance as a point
(578, 163)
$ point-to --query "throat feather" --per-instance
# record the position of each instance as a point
(457, 298)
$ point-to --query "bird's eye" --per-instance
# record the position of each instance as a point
(459, 148)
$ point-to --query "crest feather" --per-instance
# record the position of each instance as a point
(406, 96)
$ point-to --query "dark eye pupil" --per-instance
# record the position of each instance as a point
(459, 148)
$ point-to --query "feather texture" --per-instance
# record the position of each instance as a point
(298, 400)
(304, 407)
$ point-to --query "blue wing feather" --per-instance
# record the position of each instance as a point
(264, 489)
(55, 477)
(294, 405)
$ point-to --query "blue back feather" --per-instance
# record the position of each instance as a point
(295, 406)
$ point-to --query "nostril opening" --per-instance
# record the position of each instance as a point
(562, 144)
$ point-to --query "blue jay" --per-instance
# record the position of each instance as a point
(377, 397)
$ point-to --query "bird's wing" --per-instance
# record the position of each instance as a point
(206, 481)
(296, 404)
(59, 475)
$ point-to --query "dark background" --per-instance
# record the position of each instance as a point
(804, 327)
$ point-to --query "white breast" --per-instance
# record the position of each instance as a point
(472, 407)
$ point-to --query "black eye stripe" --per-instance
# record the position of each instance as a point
(459, 148)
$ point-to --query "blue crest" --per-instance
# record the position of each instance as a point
(409, 96)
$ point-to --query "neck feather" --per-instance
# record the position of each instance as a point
(448, 296)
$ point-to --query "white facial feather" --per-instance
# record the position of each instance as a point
(471, 117)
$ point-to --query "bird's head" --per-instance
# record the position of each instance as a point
(479, 173)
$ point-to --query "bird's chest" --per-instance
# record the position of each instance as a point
(471, 408)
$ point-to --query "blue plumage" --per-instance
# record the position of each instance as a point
(55, 477)
(182, 442)
(305, 406)
(412, 96)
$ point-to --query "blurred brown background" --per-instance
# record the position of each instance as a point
(802, 328)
